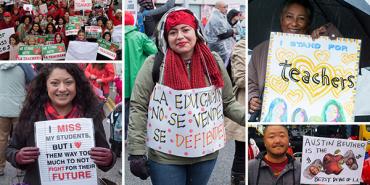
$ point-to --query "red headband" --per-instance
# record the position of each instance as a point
(179, 17)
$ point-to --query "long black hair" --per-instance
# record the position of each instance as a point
(37, 96)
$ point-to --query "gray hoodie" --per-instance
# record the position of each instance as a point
(259, 173)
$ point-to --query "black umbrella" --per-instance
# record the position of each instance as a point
(264, 17)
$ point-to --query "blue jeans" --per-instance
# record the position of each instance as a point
(192, 174)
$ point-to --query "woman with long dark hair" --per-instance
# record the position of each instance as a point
(60, 91)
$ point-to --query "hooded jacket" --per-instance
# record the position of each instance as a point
(139, 102)
(259, 173)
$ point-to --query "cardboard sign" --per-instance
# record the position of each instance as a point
(29, 53)
(83, 5)
(186, 123)
(107, 49)
(64, 145)
(332, 161)
(310, 80)
(72, 29)
(78, 50)
(43, 9)
(93, 32)
(54, 52)
(4, 39)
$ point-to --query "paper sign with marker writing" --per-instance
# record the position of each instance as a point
(4, 39)
(187, 123)
(64, 146)
(310, 80)
(332, 161)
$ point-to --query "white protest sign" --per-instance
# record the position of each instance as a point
(332, 161)
(83, 5)
(43, 9)
(28, 7)
(117, 35)
(187, 123)
(78, 50)
(310, 80)
(64, 146)
(4, 39)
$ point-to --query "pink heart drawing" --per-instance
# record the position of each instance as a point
(77, 144)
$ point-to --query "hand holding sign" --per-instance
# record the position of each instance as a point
(101, 156)
(27, 155)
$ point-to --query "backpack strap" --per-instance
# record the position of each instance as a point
(158, 59)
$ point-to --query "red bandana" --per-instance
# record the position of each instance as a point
(202, 61)
(52, 114)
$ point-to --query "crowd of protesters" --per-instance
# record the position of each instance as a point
(53, 21)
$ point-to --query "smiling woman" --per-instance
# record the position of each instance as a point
(60, 91)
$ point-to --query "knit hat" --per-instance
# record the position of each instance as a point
(6, 14)
(179, 17)
(129, 19)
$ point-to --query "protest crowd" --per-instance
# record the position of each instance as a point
(95, 90)
(60, 30)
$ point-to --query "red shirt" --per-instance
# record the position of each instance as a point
(276, 168)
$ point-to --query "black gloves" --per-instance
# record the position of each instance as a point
(138, 166)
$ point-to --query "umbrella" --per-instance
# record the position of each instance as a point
(352, 22)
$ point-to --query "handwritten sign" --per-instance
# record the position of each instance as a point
(4, 39)
(78, 50)
(310, 80)
(93, 32)
(187, 123)
(83, 5)
(332, 161)
(107, 49)
(53, 52)
(29, 53)
(64, 146)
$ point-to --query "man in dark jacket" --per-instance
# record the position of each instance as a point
(274, 166)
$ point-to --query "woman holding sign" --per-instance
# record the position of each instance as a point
(60, 91)
(171, 114)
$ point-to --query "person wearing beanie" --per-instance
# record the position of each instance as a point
(233, 17)
(184, 66)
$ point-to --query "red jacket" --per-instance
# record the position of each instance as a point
(106, 74)
(116, 21)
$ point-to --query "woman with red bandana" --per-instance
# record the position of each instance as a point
(60, 91)
(185, 65)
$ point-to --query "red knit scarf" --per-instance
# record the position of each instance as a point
(52, 114)
(175, 72)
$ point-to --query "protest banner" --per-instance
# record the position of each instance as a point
(78, 50)
(310, 80)
(332, 161)
(4, 39)
(29, 53)
(53, 52)
(72, 29)
(83, 5)
(49, 38)
(187, 123)
(101, 2)
(107, 49)
(93, 32)
(43, 9)
(64, 145)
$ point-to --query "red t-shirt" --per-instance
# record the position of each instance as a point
(276, 168)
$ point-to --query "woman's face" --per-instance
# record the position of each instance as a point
(294, 20)
(60, 21)
(35, 27)
(314, 170)
(109, 25)
(81, 36)
(58, 38)
(50, 28)
(332, 113)
(61, 87)
(12, 41)
(27, 20)
(37, 19)
(50, 19)
(100, 23)
(107, 37)
(182, 40)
